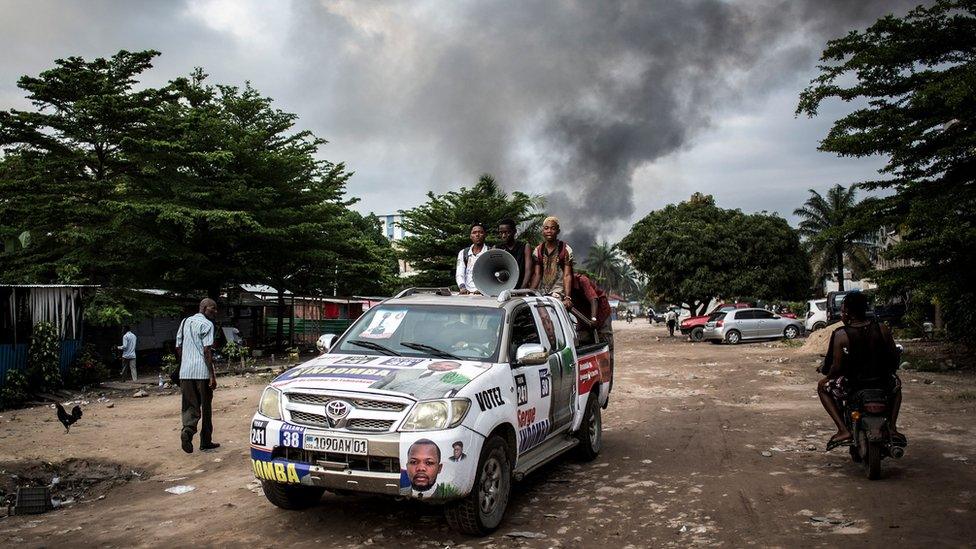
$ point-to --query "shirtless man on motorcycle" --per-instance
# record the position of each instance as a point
(862, 354)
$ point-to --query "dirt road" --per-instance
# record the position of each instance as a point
(704, 445)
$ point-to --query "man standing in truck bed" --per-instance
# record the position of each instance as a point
(553, 262)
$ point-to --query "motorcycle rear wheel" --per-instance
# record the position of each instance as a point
(872, 461)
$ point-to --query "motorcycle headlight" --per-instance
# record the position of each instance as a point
(432, 415)
(270, 405)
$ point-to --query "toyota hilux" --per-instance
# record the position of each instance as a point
(434, 396)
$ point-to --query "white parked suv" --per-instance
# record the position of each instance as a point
(438, 397)
(816, 315)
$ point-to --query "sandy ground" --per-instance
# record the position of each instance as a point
(704, 445)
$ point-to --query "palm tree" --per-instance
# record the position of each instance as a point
(604, 262)
(830, 235)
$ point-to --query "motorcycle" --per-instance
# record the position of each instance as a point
(866, 413)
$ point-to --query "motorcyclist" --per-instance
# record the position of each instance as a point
(862, 354)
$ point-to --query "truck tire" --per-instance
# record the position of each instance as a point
(480, 512)
(590, 434)
(293, 497)
(698, 334)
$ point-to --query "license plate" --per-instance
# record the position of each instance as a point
(338, 445)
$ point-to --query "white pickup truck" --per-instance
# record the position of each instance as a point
(434, 396)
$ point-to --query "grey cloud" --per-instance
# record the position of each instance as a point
(569, 99)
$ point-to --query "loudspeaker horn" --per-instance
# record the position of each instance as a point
(494, 272)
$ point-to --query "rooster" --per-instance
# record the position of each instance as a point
(66, 418)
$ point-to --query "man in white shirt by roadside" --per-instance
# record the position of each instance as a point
(128, 349)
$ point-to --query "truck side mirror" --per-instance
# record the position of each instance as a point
(530, 354)
(325, 343)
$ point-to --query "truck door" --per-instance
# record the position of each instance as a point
(534, 389)
(561, 366)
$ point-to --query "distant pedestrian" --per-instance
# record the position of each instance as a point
(198, 379)
(671, 318)
(128, 349)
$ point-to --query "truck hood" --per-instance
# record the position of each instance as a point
(419, 378)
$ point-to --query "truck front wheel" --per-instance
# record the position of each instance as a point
(293, 497)
(481, 511)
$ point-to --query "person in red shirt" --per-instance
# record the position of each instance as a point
(591, 302)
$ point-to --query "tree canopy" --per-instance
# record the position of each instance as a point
(694, 251)
(830, 235)
(188, 187)
(914, 79)
(439, 228)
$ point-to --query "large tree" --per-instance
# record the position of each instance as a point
(439, 228)
(66, 166)
(189, 187)
(913, 80)
(694, 251)
(831, 235)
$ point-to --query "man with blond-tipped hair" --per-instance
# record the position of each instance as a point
(553, 271)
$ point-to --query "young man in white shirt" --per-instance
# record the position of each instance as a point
(128, 349)
(464, 271)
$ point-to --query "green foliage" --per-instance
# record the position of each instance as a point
(66, 167)
(87, 369)
(44, 357)
(169, 364)
(14, 391)
(613, 272)
(187, 187)
(914, 78)
(115, 307)
(694, 251)
(831, 235)
(438, 229)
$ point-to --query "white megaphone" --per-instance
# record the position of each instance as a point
(494, 272)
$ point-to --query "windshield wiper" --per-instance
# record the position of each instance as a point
(433, 350)
(374, 346)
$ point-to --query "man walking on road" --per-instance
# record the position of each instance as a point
(672, 320)
(128, 349)
(198, 379)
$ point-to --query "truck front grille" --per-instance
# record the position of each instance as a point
(361, 403)
(353, 424)
(356, 463)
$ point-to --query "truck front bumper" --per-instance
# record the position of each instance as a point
(278, 455)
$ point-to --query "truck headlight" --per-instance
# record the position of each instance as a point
(270, 405)
(432, 415)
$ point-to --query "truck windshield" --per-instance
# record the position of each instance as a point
(468, 333)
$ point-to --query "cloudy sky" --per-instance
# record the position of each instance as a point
(609, 108)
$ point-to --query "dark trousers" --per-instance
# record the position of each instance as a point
(671, 324)
(197, 398)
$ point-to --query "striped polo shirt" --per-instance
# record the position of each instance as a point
(196, 332)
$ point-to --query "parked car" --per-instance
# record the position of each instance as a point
(694, 326)
(816, 315)
(890, 312)
(653, 316)
(744, 324)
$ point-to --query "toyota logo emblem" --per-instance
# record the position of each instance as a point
(337, 409)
